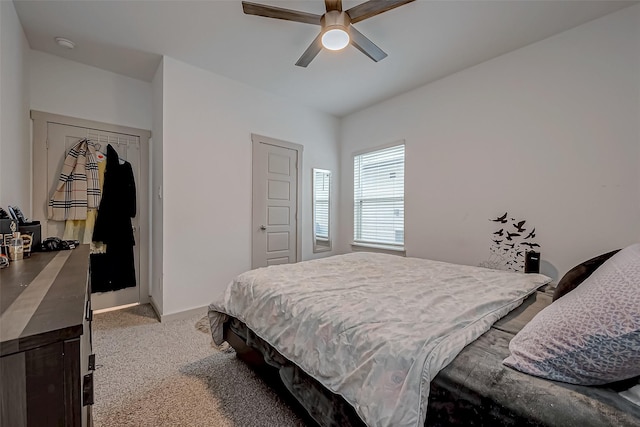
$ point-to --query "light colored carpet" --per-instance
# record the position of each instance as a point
(170, 374)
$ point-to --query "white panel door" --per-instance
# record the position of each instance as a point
(275, 237)
(60, 139)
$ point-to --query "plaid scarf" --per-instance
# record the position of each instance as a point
(79, 186)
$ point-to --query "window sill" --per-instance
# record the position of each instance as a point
(397, 250)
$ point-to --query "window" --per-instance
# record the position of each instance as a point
(379, 197)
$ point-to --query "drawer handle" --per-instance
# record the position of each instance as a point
(87, 390)
(88, 313)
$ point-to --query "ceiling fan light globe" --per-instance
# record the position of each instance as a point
(335, 39)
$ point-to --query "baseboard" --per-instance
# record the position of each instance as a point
(182, 314)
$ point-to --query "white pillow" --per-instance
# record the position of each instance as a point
(592, 334)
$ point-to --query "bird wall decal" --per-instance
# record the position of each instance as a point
(511, 235)
(502, 219)
(532, 234)
(519, 226)
(531, 245)
(508, 252)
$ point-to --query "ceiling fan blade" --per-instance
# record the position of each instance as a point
(364, 45)
(372, 8)
(280, 13)
(333, 5)
(314, 48)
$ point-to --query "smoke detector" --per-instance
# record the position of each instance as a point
(66, 43)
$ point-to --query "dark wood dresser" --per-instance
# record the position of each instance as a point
(45, 341)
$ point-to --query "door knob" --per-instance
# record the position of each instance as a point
(263, 227)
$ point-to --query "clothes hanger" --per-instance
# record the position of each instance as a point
(100, 155)
(98, 147)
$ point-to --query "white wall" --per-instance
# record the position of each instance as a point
(15, 140)
(157, 132)
(208, 121)
(72, 89)
(549, 133)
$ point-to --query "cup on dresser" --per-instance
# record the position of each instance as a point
(16, 247)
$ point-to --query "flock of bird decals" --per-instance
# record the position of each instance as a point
(509, 244)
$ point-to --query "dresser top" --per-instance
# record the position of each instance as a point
(42, 299)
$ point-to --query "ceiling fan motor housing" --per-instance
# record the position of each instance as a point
(335, 20)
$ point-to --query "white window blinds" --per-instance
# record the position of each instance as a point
(379, 197)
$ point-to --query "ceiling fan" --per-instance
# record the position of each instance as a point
(337, 30)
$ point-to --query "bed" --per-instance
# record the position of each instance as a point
(380, 340)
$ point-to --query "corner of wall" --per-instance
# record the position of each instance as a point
(156, 288)
(15, 142)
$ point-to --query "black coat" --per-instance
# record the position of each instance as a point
(118, 204)
(115, 269)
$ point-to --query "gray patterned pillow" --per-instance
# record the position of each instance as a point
(591, 335)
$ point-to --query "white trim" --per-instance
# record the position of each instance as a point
(155, 308)
(180, 315)
(39, 190)
(380, 147)
(76, 121)
(379, 246)
(277, 142)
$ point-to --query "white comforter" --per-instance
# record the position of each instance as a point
(373, 328)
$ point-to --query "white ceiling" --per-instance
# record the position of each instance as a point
(425, 40)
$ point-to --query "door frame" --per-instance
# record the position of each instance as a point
(255, 223)
(40, 192)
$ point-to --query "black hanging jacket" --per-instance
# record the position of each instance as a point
(115, 269)
(118, 204)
